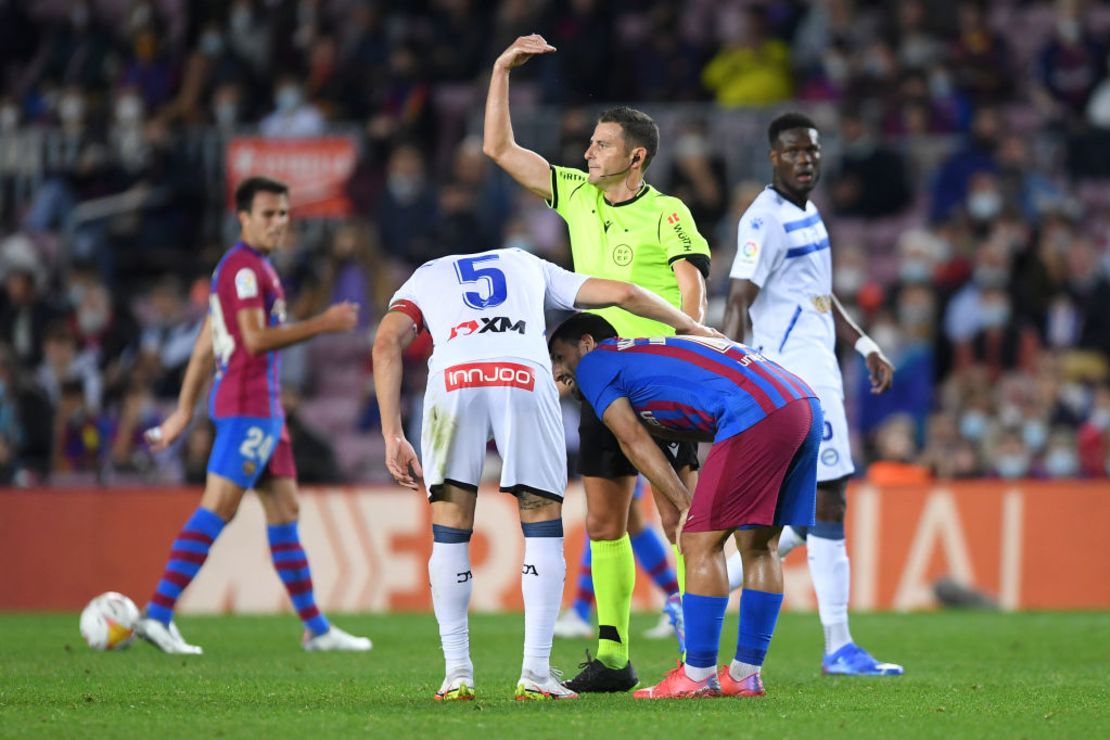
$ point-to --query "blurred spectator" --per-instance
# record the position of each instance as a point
(24, 313)
(352, 268)
(871, 180)
(312, 453)
(950, 185)
(138, 412)
(752, 67)
(79, 432)
(1010, 458)
(150, 70)
(64, 365)
(169, 332)
(406, 208)
(979, 57)
(1070, 64)
(104, 327)
(582, 25)
(293, 116)
(26, 424)
(698, 176)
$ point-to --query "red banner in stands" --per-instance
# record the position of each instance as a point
(316, 170)
(369, 548)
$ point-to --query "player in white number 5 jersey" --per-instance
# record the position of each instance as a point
(489, 376)
(782, 282)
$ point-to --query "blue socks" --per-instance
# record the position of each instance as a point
(187, 555)
(704, 617)
(291, 564)
(759, 611)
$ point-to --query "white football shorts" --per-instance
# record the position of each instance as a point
(835, 457)
(515, 403)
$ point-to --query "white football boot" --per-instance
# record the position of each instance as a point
(166, 639)
(336, 640)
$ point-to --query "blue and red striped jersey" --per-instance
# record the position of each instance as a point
(688, 384)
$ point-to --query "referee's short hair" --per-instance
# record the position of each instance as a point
(579, 325)
(638, 127)
(247, 189)
(786, 122)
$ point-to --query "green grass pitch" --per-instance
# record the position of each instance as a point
(968, 675)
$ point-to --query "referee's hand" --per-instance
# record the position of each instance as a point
(523, 49)
(701, 330)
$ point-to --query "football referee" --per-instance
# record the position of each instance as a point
(620, 228)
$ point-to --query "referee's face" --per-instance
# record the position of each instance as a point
(607, 155)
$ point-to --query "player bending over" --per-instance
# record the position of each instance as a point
(489, 377)
(244, 330)
(765, 425)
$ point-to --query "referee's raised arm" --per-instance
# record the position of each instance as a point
(524, 165)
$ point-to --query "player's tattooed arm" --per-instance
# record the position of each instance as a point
(641, 450)
(395, 332)
(524, 165)
(738, 322)
(879, 367)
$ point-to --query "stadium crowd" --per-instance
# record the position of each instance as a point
(966, 185)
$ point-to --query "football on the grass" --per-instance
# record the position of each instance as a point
(108, 622)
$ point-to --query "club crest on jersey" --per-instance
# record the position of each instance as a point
(823, 303)
(492, 325)
(622, 255)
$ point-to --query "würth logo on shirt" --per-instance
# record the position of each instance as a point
(672, 219)
(486, 374)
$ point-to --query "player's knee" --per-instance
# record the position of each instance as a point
(604, 526)
(225, 509)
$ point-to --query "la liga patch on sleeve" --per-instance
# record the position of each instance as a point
(246, 283)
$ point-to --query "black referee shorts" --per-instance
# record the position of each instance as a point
(600, 454)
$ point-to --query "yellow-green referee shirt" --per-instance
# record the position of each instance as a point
(636, 241)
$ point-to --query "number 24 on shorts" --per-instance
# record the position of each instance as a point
(257, 445)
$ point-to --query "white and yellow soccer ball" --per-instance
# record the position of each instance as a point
(108, 622)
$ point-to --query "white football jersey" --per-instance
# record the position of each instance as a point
(785, 251)
(487, 306)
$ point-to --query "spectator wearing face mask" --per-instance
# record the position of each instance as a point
(1070, 64)
(406, 209)
(293, 116)
(1060, 459)
(872, 180)
(950, 184)
(1010, 458)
